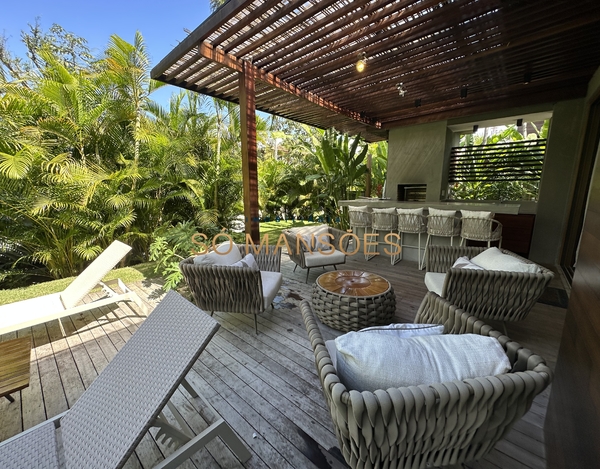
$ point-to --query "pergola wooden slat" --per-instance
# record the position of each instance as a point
(506, 52)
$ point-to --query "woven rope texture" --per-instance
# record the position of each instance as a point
(487, 294)
(437, 424)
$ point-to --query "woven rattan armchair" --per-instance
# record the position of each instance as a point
(481, 229)
(233, 289)
(308, 260)
(487, 294)
(438, 424)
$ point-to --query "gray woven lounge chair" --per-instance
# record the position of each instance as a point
(26, 313)
(487, 294)
(429, 425)
(236, 289)
(309, 260)
(110, 418)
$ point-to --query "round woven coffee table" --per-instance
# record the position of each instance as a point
(350, 300)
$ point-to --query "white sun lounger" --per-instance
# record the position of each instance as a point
(110, 418)
(26, 313)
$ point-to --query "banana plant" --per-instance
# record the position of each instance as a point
(342, 164)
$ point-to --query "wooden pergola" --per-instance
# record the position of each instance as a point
(296, 59)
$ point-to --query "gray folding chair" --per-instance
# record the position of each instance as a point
(110, 418)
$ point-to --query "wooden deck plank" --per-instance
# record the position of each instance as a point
(287, 402)
(32, 402)
(55, 401)
(245, 421)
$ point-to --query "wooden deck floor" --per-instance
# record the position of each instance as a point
(265, 386)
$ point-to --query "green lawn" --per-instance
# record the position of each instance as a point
(274, 228)
(127, 274)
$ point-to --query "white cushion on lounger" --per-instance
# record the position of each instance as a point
(434, 281)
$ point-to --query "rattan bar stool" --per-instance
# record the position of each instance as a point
(384, 219)
(442, 223)
(480, 226)
(412, 221)
(360, 217)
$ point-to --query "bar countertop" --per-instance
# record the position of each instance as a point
(511, 208)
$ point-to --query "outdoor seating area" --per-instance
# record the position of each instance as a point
(265, 387)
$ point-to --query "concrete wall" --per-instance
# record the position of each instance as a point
(560, 165)
(416, 156)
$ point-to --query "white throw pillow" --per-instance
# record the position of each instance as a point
(247, 261)
(204, 259)
(476, 214)
(321, 236)
(224, 254)
(332, 349)
(441, 213)
(385, 210)
(367, 361)
(494, 259)
(465, 263)
(400, 331)
(409, 211)
(406, 330)
(357, 208)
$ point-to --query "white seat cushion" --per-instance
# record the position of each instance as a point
(271, 282)
(494, 259)
(317, 259)
(368, 362)
(434, 281)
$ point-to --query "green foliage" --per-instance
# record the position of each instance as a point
(499, 190)
(379, 167)
(170, 246)
(83, 160)
(341, 165)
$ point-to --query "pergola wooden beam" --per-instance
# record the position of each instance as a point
(249, 151)
(217, 55)
(306, 51)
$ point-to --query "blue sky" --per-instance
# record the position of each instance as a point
(161, 23)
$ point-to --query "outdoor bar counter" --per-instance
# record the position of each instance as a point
(517, 218)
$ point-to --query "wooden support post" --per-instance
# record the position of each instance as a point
(368, 179)
(248, 136)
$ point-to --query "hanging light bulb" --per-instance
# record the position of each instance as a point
(362, 62)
